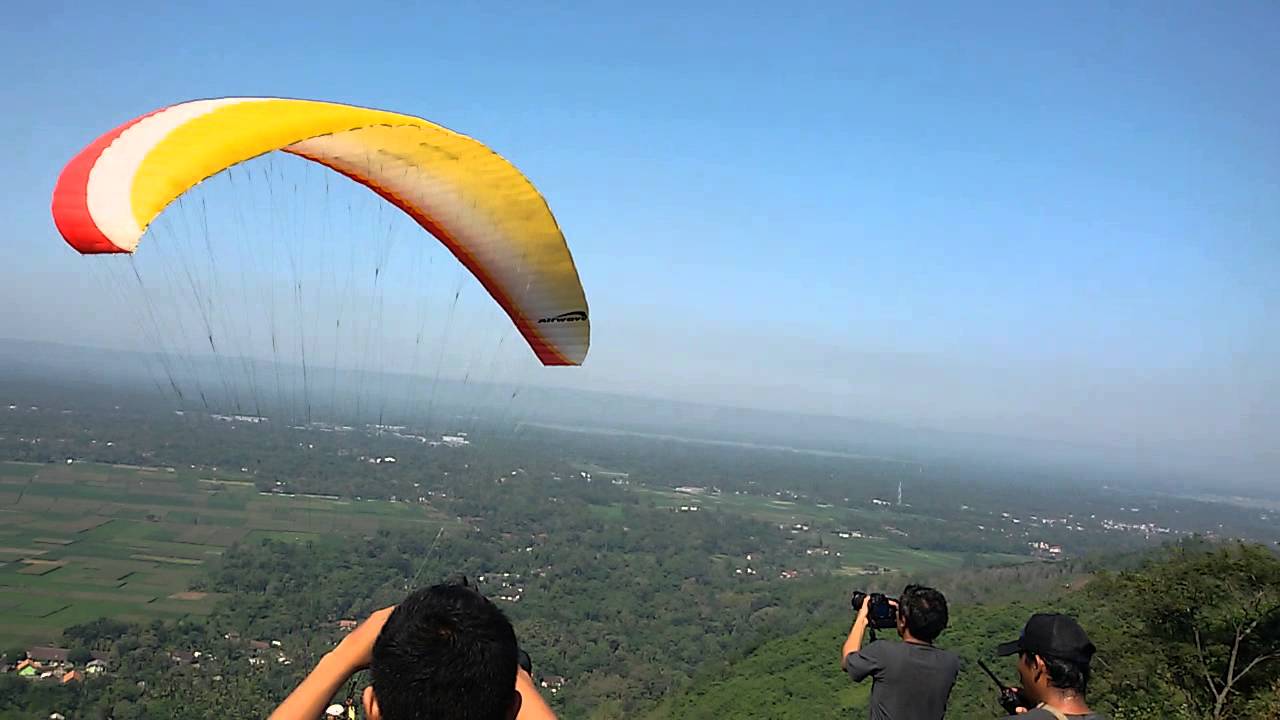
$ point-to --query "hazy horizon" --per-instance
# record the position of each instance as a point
(1051, 223)
(481, 402)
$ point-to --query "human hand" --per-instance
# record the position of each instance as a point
(1014, 701)
(897, 606)
(1020, 700)
(356, 649)
(865, 607)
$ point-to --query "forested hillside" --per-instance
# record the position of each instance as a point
(1145, 622)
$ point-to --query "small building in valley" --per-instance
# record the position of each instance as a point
(44, 654)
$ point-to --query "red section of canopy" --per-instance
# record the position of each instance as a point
(71, 197)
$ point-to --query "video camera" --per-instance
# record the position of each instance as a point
(882, 611)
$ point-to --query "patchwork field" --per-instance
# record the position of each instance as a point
(82, 541)
(856, 554)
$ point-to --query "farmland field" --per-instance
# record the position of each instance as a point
(856, 553)
(82, 541)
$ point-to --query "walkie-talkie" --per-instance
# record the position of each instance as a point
(1011, 698)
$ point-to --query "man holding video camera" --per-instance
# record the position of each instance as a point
(912, 679)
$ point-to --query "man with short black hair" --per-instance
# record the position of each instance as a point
(912, 679)
(1054, 653)
(445, 653)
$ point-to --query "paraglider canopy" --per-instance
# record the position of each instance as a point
(488, 215)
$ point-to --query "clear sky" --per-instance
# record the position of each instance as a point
(1051, 219)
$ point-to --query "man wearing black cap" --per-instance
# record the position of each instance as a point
(1053, 663)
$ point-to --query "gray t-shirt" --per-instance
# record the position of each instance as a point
(909, 681)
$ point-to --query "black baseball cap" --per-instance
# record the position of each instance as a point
(1052, 635)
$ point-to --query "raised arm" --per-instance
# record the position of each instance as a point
(532, 706)
(313, 694)
(853, 643)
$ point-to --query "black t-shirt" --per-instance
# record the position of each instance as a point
(909, 681)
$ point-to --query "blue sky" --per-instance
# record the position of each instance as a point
(1056, 219)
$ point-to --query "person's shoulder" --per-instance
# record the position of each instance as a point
(939, 654)
(878, 646)
(945, 660)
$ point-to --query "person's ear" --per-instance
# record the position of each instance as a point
(516, 702)
(370, 700)
(1039, 667)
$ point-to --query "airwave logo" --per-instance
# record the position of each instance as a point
(571, 316)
